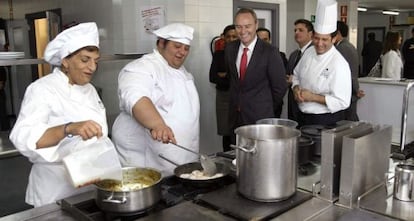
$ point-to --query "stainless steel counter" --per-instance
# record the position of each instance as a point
(381, 201)
(47, 212)
(376, 205)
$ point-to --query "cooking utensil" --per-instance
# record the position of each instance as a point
(266, 162)
(404, 182)
(190, 167)
(130, 201)
(209, 167)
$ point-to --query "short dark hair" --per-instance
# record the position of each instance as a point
(343, 28)
(264, 29)
(246, 10)
(333, 34)
(164, 43)
(228, 28)
(307, 23)
(89, 48)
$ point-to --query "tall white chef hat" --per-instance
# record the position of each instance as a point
(326, 16)
(70, 40)
(176, 32)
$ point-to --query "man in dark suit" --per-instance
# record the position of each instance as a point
(264, 34)
(408, 55)
(370, 53)
(350, 54)
(256, 92)
(303, 36)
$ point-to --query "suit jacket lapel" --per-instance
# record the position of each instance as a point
(233, 58)
(257, 52)
(292, 60)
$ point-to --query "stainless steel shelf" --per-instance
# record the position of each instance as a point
(9, 153)
(12, 62)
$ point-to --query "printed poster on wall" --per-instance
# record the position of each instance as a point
(152, 18)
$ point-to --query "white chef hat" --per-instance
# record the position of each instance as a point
(326, 16)
(70, 40)
(176, 32)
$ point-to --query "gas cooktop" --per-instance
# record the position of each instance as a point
(84, 208)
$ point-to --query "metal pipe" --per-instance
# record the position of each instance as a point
(404, 114)
(9, 153)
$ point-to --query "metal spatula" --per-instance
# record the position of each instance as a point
(207, 163)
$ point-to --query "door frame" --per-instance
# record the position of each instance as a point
(274, 8)
(30, 18)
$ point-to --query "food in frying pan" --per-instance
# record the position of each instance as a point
(199, 175)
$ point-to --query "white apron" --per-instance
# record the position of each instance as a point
(176, 99)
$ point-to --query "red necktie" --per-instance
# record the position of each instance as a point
(243, 64)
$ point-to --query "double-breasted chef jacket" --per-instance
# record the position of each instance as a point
(48, 102)
(175, 97)
(327, 74)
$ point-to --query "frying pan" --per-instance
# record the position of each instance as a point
(190, 167)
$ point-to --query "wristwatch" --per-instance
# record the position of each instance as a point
(65, 132)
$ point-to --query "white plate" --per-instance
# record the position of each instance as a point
(234, 162)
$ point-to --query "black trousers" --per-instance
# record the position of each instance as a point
(328, 119)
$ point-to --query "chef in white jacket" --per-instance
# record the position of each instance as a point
(60, 111)
(322, 79)
(159, 104)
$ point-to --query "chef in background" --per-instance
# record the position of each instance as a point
(321, 80)
(60, 111)
(159, 104)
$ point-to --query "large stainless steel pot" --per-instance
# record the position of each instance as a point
(110, 198)
(404, 182)
(266, 162)
(278, 121)
(306, 144)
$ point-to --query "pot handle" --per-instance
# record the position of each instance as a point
(111, 199)
(244, 149)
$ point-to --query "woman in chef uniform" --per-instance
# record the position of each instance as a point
(159, 104)
(60, 111)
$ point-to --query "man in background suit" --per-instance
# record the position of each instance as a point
(370, 52)
(303, 36)
(264, 34)
(350, 54)
(408, 55)
(256, 93)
